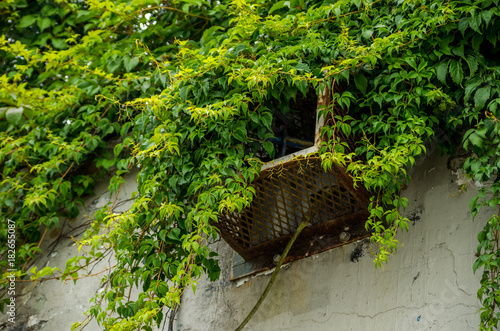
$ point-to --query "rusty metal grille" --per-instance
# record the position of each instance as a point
(285, 196)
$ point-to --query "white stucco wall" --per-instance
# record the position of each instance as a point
(427, 285)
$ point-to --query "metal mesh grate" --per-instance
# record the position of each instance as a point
(285, 196)
(297, 189)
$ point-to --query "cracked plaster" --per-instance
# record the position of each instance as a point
(427, 285)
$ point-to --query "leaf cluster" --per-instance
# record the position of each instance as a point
(186, 91)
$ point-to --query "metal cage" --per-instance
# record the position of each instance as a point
(290, 190)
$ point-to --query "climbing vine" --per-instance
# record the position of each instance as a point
(185, 91)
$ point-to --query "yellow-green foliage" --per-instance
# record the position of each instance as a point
(188, 87)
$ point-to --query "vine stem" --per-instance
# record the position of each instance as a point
(275, 274)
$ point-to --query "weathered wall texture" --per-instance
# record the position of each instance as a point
(427, 285)
(53, 305)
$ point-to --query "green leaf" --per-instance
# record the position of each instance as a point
(346, 128)
(367, 33)
(361, 83)
(279, 5)
(43, 23)
(58, 43)
(174, 234)
(411, 61)
(482, 95)
(82, 13)
(470, 87)
(172, 181)
(107, 164)
(240, 133)
(187, 168)
(269, 148)
(15, 115)
(114, 65)
(162, 289)
(267, 119)
(475, 22)
(477, 40)
(26, 21)
(3, 111)
(463, 25)
(487, 14)
(74, 276)
(476, 140)
(193, 287)
(130, 63)
(441, 71)
(458, 50)
(27, 113)
(183, 92)
(240, 48)
(208, 34)
(456, 72)
(471, 61)
(302, 67)
(162, 234)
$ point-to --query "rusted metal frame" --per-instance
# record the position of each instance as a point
(359, 194)
(256, 212)
(344, 182)
(324, 100)
(230, 239)
(305, 248)
(311, 170)
(285, 208)
(274, 246)
(329, 230)
(340, 222)
(244, 224)
(280, 210)
(293, 194)
(287, 164)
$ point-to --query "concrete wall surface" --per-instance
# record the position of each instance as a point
(427, 285)
(53, 305)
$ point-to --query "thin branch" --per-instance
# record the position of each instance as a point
(273, 277)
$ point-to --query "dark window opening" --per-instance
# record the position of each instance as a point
(293, 125)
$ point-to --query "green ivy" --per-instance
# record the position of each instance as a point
(185, 91)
